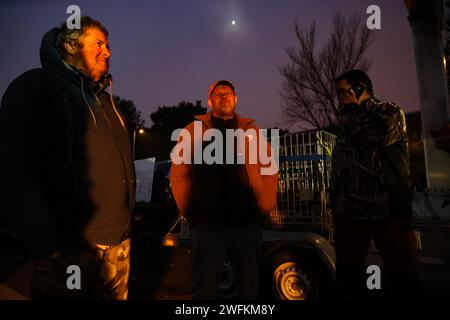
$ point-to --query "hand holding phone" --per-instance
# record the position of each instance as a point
(358, 90)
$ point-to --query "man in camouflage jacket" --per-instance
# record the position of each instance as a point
(370, 194)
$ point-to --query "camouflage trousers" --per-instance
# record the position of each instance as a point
(115, 268)
(94, 272)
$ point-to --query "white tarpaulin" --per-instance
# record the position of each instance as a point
(144, 179)
(431, 205)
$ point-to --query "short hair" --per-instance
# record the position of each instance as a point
(72, 36)
(356, 77)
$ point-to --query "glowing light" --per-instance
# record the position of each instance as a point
(233, 22)
(141, 131)
(169, 243)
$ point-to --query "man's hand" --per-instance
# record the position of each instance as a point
(347, 97)
(348, 102)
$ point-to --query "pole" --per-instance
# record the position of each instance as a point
(134, 143)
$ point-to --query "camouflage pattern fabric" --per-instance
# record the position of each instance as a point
(115, 268)
(104, 272)
(371, 179)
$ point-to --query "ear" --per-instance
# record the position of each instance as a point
(209, 103)
(235, 99)
(70, 49)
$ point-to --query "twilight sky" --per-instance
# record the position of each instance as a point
(165, 51)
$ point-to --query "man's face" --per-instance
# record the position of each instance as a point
(346, 95)
(223, 102)
(93, 56)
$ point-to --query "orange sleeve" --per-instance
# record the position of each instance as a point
(264, 186)
(181, 177)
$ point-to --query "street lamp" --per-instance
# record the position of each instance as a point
(140, 131)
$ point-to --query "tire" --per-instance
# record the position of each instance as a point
(291, 279)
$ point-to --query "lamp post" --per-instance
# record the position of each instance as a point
(140, 131)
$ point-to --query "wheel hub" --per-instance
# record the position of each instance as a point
(292, 282)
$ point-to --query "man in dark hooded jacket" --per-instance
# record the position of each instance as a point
(67, 174)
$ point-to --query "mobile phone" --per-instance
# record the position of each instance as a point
(358, 90)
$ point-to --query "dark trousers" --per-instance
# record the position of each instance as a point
(396, 243)
(211, 246)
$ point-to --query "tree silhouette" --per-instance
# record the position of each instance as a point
(156, 141)
(130, 113)
(169, 118)
(308, 92)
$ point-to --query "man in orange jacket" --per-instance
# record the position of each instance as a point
(224, 197)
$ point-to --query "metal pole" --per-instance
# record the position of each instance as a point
(134, 143)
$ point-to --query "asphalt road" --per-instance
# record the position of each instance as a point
(162, 273)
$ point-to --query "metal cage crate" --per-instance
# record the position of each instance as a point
(303, 183)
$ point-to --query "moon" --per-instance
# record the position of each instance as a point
(233, 22)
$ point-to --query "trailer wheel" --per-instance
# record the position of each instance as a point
(292, 280)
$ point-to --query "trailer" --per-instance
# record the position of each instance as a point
(298, 259)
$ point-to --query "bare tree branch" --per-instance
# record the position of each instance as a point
(308, 92)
